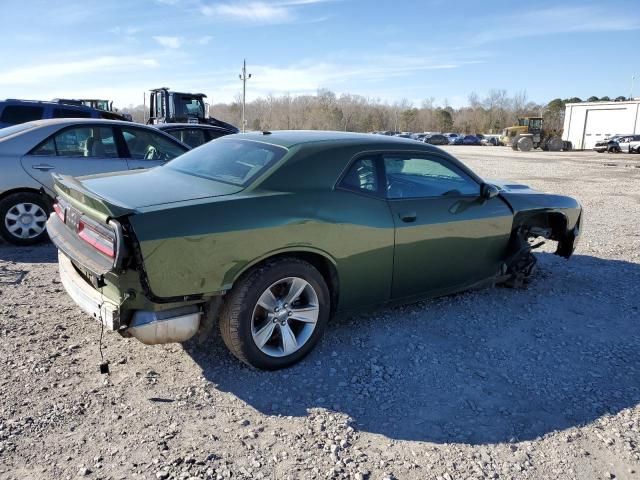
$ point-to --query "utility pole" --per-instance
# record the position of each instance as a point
(633, 77)
(244, 77)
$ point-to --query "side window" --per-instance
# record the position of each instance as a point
(213, 134)
(193, 137)
(148, 145)
(423, 177)
(362, 176)
(97, 142)
(20, 114)
(47, 149)
(69, 113)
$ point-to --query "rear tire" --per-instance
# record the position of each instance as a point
(554, 144)
(256, 310)
(22, 218)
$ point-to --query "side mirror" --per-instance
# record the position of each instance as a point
(488, 191)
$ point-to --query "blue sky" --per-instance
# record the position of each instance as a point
(391, 50)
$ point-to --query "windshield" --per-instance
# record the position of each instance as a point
(8, 131)
(233, 161)
(188, 106)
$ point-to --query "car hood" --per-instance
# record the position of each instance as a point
(124, 192)
(510, 187)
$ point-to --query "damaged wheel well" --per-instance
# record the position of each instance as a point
(550, 225)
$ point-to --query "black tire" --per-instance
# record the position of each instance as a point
(237, 311)
(7, 206)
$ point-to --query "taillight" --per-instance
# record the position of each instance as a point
(102, 239)
(59, 211)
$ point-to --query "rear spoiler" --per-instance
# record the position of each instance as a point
(73, 191)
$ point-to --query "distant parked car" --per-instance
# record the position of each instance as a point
(13, 112)
(629, 144)
(437, 139)
(193, 134)
(470, 140)
(457, 140)
(31, 152)
(609, 145)
(493, 140)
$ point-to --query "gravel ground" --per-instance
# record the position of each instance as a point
(498, 383)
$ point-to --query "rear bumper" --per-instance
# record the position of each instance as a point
(90, 300)
(150, 327)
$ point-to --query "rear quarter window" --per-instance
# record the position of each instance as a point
(20, 113)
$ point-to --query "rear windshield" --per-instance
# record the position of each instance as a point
(233, 161)
(12, 130)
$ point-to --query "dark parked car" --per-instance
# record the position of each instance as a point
(13, 112)
(30, 152)
(195, 134)
(471, 140)
(437, 139)
(274, 232)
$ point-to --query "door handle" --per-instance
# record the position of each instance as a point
(408, 217)
(43, 167)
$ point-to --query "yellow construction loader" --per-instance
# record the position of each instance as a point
(529, 134)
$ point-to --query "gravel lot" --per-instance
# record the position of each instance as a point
(497, 383)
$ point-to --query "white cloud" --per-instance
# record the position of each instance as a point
(369, 74)
(204, 40)
(117, 30)
(259, 11)
(168, 42)
(254, 11)
(46, 72)
(554, 20)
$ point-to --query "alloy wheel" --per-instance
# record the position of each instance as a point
(285, 317)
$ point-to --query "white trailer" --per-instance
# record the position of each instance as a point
(589, 122)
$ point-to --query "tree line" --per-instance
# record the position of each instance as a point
(349, 112)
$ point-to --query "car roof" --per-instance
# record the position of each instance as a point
(290, 138)
(74, 121)
(59, 104)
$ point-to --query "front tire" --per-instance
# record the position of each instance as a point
(275, 314)
(23, 217)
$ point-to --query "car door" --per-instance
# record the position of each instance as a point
(146, 148)
(76, 150)
(446, 236)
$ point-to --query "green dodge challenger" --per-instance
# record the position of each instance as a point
(271, 233)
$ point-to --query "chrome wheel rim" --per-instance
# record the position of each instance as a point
(25, 220)
(285, 317)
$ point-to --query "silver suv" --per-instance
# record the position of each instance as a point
(629, 144)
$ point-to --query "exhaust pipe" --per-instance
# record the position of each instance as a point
(176, 325)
